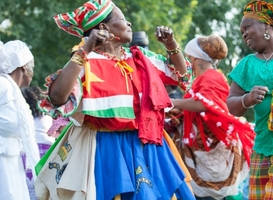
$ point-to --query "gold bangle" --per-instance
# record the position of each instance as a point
(78, 59)
(178, 46)
(174, 51)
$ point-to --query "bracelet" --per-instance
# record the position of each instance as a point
(78, 59)
(243, 102)
(174, 51)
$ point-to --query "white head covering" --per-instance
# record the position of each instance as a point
(14, 54)
(193, 49)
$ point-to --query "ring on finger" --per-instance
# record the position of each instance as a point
(260, 97)
(101, 32)
(166, 28)
(111, 38)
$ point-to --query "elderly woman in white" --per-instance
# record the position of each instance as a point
(17, 131)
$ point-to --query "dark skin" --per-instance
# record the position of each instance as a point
(104, 40)
(253, 35)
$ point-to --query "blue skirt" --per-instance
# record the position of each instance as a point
(125, 166)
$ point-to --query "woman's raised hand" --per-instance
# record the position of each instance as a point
(97, 38)
(165, 35)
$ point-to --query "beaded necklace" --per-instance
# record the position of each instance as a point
(112, 57)
(125, 69)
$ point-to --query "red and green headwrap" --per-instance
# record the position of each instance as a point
(259, 10)
(85, 17)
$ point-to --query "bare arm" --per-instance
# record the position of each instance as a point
(165, 36)
(237, 97)
(234, 100)
(177, 59)
(62, 86)
(189, 104)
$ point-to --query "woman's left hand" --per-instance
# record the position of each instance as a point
(164, 35)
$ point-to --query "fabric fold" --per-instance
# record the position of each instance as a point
(154, 100)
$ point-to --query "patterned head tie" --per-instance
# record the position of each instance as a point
(85, 17)
(259, 10)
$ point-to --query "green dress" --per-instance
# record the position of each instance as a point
(252, 71)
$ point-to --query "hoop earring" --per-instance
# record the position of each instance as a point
(266, 35)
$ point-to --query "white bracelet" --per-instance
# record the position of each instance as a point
(243, 102)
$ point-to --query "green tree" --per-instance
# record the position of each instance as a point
(146, 15)
(32, 22)
(222, 18)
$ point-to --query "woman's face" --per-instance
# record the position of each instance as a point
(119, 26)
(253, 34)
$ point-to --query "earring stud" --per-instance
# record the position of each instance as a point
(266, 35)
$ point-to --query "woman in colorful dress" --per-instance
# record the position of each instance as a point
(252, 87)
(115, 148)
(214, 145)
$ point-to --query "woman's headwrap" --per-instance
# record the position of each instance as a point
(259, 10)
(14, 54)
(85, 17)
(192, 48)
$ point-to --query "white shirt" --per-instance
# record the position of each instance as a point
(16, 132)
(42, 125)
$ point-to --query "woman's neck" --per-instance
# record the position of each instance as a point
(110, 50)
(202, 67)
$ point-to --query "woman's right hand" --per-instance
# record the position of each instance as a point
(97, 38)
(256, 95)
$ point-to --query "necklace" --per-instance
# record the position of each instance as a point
(267, 59)
(112, 57)
(125, 69)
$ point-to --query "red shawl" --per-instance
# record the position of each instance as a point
(154, 100)
(212, 90)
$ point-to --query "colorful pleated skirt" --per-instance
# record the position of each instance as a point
(90, 164)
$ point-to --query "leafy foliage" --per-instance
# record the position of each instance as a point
(32, 22)
(222, 18)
